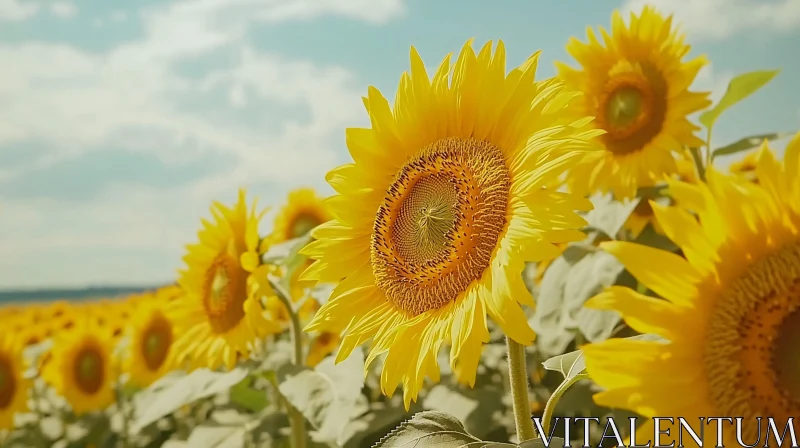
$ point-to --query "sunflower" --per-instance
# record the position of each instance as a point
(731, 309)
(640, 217)
(541, 267)
(321, 346)
(13, 386)
(220, 315)
(441, 209)
(80, 368)
(304, 210)
(150, 354)
(746, 168)
(636, 85)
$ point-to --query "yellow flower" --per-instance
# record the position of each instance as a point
(80, 368)
(731, 309)
(746, 168)
(642, 215)
(321, 346)
(13, 386)
(541, 267)
(220, 314)
(304, 210)
(441, 209)
(636, 85)
(152, 334)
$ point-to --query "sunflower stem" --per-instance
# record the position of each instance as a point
(550, 407)
(698, 163)
(518, 379)
(298, 422)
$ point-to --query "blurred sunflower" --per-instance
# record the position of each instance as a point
(13, 386)
(637, 87)
(150, 353)
(640, 217)
(304, 210)
(80, 368)
(732, 308)
(322, 345)
(746, 168)
(440, 210)
(220, 315)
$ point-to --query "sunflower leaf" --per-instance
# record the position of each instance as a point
(739, 88)
(221, 436)
(472, 406)
(429, 429)
(748, 143)
(555, 442)
(326, 395)
(170, 397)
(569, 364)
(609, 215)
(248, 397)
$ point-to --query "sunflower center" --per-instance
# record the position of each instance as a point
(632, 109)
(8, 384)
(303, 224)
(225, 291)
(751, 357)
(88, 370)
(439, 223)
(156, 342)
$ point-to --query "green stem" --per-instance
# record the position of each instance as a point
(709, 154)
(518, 379)
(550, 407)
(298, 422)
(698, 164)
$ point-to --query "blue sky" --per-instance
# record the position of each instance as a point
(122, 121)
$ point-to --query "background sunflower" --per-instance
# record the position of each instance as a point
(636, 84)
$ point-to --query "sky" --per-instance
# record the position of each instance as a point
(120, 122)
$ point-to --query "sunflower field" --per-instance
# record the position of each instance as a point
(501, 247)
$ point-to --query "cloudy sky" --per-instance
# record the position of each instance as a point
(119, 124)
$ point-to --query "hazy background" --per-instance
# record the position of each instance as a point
(121, 121)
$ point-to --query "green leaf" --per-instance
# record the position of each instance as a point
(376, 422)
(747, 143)
(432, 429)
(217, 436)
(739, 88)
(569, 364)
(326, 395)
(559, 305)
(555, 442)
(171, 396)
(244, 395)
(609, 215)
(474, 407)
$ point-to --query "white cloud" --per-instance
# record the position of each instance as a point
(63, 9)
(135, 97)
(16, 10)
(719, 19)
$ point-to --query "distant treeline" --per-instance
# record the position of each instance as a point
(38, 295)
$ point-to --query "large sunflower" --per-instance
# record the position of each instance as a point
(731, 311)
(637, 86)
(80, 368)
(220, 314)
(440, 210)
(152, 334)
(13, 385)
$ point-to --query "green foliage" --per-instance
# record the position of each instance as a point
(171, 393)
(430, 429)
(739, 88)
(326, 395)
(748, 143)
(608, 215)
